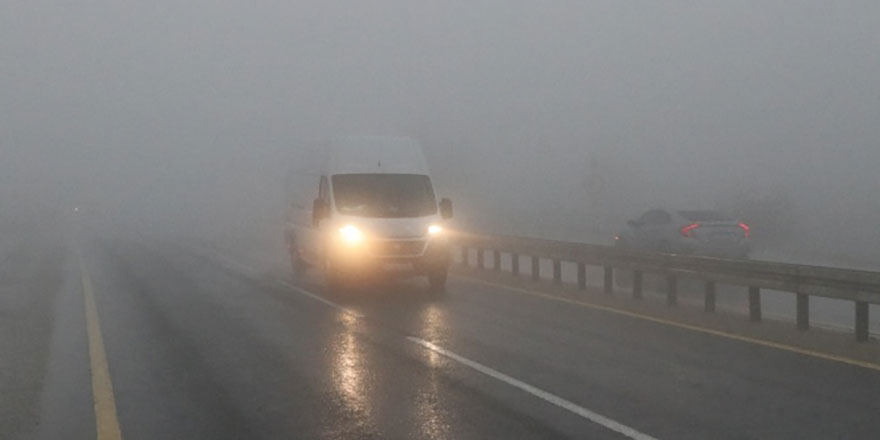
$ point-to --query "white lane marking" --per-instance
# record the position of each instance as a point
(537, 392)
(296, 289)
(316, 297)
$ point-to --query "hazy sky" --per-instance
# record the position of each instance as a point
(187, 110)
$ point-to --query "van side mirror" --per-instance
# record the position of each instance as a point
(446, 209)
(320, 211)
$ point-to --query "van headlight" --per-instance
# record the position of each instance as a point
(351, 235)
(435, 230)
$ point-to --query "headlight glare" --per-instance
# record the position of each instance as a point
(351, 235)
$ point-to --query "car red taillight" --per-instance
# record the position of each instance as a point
(746, 229)
(689, 230)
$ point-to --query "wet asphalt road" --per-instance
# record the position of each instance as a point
(203, 345)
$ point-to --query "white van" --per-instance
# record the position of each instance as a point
(365, 206)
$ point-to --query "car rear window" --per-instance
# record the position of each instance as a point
(704, 216)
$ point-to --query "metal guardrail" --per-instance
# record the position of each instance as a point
(861, 287)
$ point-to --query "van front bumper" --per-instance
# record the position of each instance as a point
(434, 257)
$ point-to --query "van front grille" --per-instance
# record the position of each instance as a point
(398, 248)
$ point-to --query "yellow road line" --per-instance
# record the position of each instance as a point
(667, 322)
(106, 421)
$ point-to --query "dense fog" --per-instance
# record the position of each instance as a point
(558, 119)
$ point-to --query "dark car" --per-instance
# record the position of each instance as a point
(701, 232)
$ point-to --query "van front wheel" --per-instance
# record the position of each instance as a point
(335, 280)
(437, 281)
(297, 265)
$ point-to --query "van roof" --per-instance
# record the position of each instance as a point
(376, 154)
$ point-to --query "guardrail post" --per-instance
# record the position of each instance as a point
(481, 260)
(861, 321)
(557, 272)
(609, 280)
(497, 260)
(637, 284)
(754, 303)
(803, 311)
(709, 300)
(536, 269)
(671, 290)
(582, 276)
(514, 263)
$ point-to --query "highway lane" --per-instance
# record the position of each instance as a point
(200, 352)
(671, 382)
(202, 345)
(31, 263)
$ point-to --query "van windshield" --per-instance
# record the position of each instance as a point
(384, 195)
